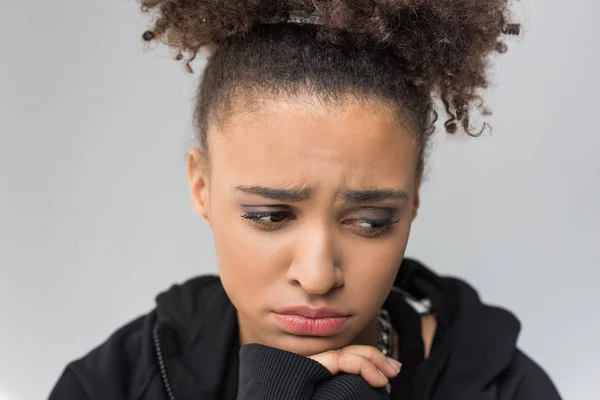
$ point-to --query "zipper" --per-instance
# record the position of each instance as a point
(161, 363)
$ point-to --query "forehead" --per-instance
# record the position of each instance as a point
(302, 143)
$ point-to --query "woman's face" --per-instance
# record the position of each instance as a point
(311, 207)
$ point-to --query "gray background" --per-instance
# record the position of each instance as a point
(94, 210)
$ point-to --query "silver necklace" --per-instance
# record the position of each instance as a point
(385, 339)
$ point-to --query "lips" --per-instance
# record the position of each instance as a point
(305, 321)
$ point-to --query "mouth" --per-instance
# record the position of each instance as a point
(305, 321)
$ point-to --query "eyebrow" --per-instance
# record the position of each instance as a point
(367, 196)
(293, 195)
(296, 195)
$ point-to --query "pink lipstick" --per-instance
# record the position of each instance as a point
(305, 321)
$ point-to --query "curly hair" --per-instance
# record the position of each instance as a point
(404, 52)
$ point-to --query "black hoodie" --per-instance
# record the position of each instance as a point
(188, 348)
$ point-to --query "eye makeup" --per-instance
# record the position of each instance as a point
(368, 222)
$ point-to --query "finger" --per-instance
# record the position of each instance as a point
(388, 366)
(337, 361)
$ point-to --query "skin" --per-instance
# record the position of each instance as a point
(321, 248)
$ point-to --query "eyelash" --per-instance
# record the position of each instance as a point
(383, 226)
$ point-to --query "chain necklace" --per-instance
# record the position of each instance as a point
(385, 337)
(385, 340)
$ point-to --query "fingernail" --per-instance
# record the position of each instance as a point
(394, 364)
(383, 376)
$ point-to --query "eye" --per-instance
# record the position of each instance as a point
(269, 220)
(371, 228)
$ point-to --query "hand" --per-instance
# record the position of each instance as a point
(366, 361)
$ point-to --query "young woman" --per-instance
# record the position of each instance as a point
(313, 119)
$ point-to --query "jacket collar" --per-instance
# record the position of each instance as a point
(474, 344)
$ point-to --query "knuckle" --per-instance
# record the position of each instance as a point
(336, 357)
(376, 355)
(374, 352)
(335, 353)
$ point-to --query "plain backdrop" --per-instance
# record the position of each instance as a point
(95, 216)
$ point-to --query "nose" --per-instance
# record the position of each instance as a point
(316, 265)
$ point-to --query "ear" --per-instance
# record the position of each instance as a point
(198, 178)
(417, 199)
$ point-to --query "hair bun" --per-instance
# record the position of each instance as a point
(443, 45)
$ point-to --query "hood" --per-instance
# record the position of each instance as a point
(197, 327)
(474, 345)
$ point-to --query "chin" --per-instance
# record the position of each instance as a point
(310, 345)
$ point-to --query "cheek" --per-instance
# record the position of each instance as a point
(371, 267)
(249, 261)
